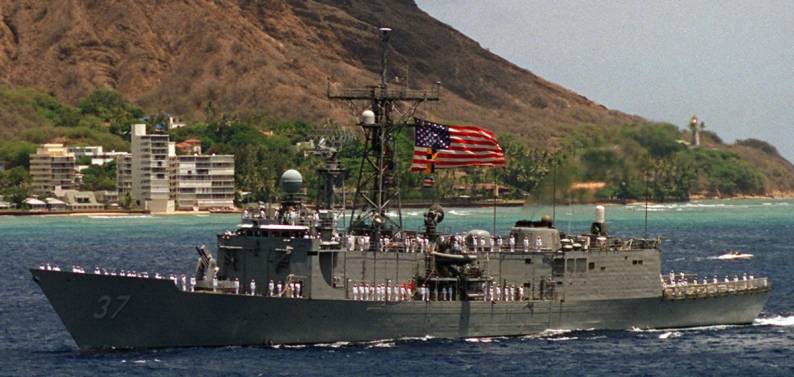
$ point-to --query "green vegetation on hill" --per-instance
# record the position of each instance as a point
(632, 161)
(650, 160)
(30, 117)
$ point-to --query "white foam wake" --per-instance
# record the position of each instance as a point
(775, 321)
(669, 334)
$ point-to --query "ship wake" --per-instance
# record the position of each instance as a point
(778, 320)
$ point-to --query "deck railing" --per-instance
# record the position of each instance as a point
(692, 290)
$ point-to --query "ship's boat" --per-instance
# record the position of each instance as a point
(288, 274)
(735, 255)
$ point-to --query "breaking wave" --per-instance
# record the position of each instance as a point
(777, 320)
(669, 334)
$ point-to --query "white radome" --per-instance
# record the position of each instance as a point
(368, 117)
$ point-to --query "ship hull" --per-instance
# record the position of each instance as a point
(114, 312)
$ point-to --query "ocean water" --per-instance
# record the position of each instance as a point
(33, 342)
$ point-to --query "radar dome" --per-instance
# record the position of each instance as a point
(368, 117)
(291, 181)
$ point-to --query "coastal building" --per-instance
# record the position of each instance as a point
(5, 204)
(204, 181)
(124, 176)
(107, 198)
(52, 166)
(55, 204)
(189, 146)
(174, 122)
(35, 204)
(96, 153)
(150, 188)
(79, 200)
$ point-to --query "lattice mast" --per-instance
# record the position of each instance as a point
(376, 188)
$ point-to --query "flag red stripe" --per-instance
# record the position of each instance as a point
(476, 149)
(493, 148)
(459, 161)
(461, 153)
(444, 165)
(458, 140)
(471, 134)
(472, 156)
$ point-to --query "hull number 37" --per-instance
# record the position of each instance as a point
(109, 307)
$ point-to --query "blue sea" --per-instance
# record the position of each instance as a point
(33, 341)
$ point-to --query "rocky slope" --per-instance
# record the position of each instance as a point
(273, 57)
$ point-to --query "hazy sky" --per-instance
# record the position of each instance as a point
(729, 62)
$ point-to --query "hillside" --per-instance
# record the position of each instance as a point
(268, 63)
(273, 57)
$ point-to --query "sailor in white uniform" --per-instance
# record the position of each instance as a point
(512, 243)
(278, 289)
(253, 287)
(538, 244)
(298, 286)
(270, 287)
(236, 286)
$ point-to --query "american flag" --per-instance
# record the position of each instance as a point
(440, 147)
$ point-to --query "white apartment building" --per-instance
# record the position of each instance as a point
(96, 153)
(204, 181)
(150, 188)
(124, 175)
(52, 166)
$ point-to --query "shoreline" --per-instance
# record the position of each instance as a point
(74, 213)
(455, 203)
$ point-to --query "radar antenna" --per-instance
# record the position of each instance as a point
(377, 189)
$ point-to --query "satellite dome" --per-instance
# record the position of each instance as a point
(368, 117)
(291, 181)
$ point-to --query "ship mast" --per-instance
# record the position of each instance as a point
(376, 188)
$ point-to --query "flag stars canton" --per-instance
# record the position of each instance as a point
(431, 135)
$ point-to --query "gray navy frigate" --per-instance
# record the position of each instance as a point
(287, 275)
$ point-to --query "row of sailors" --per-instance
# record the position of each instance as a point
(683, 281)
(290, 289)
(382, 291)
(404, 292)
(493, 292)
(420, 244)
(362, 243)
(102, 271)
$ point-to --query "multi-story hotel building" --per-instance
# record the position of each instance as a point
(150, 188)
(204, 181)
(52, 166)
(124, 175)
